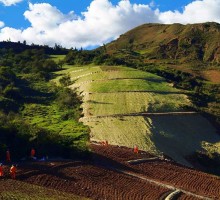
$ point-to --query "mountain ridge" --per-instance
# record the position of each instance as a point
(175, 42)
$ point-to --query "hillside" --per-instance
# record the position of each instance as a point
(120, 104)
(33, 112)
(186, 55)
(176, 42)
(128, 107)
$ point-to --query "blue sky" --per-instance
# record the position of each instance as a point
(87, 23)
(13, 15)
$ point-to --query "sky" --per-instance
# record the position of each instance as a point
(90, 23)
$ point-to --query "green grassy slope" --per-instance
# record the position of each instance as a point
(183, 43)
(106, 94)
(188, 55)
(123, 103)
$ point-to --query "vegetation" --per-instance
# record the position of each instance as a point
(176, 43)
(18, 47)
(123, 103)
(35, 112)
(182, 55)
(187, 56)
(116, 96)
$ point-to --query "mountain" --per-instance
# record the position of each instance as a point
(175, 42)
(187, 55)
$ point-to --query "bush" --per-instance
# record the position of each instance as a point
(67, 98)
(50, 66)
(65, 80)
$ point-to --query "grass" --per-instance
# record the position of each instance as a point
(124, 131)
(109, 79)
(57, 58)
(43, 112)
(126, 74)
(133, 102)
(122, 90)
(74, 71)
(11, 189)
(50, 118)
(176, 136)
(182, 135)
(123, 85)
(84, 72)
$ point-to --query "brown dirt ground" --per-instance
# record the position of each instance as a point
(97, 178)
(186, 197)
(18, 190)
(212, 75)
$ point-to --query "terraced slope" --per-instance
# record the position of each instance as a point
(129, 107)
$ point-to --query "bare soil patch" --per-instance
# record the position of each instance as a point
(85, 179)
(100, 178)
(212, 75)
(167, 171)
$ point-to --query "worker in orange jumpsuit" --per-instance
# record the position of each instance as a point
(8, 156)
(1, 170)
(135, 149)
(13, 170)
(105, 143)
(33, 152)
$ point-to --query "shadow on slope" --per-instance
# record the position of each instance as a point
(181, 136)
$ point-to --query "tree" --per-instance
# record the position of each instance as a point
(61, 63)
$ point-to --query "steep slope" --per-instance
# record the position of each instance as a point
(187, 55)
(128, 107)
(183, 43)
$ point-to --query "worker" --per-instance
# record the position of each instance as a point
(13, 170)
(8, 156)
(1, 170)
(33, 152)
(104, 143)
(135, 149)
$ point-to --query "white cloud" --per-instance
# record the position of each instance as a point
(43, 16)
(196, 12)
(101, 22)
(10, 2)
(1, 24)
(11, 33)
